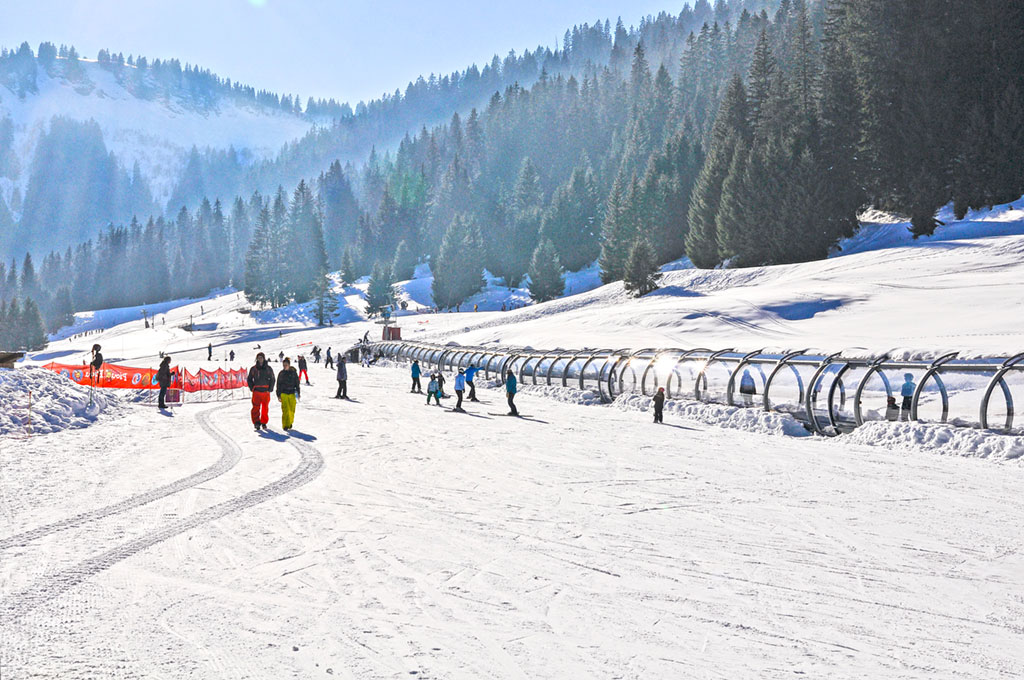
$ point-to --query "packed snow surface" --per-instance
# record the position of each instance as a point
(383, 537)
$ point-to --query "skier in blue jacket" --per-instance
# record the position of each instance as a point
(416, 377)
(460, 388)
(470, 372)
(907, 392)
(433, 390)
(510, 390)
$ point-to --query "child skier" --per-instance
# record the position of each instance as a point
(433, 390)
(460, 388)
(659, 406)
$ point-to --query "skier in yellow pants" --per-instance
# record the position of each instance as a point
(287, 393)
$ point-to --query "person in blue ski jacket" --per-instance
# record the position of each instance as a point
(460, 388)
(907, 392)
(416, 377)
(510, 390)
(470, 372)
(433, 390)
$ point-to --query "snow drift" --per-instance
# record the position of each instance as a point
(57, 403)
(941, 439)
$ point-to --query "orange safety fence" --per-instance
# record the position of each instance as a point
(126, 377)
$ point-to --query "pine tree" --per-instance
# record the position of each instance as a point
(63, 313)
(730, 131)
(762, 76)
(15, 325)
(258, 261)
(737, 218)
(306, 256)
(616, 234)
(33, 332)
(641, 271)
(547, 281)
(457, 268)
(326, 301)
(348, 272)
(381, 290)
(6, 330)
(572, 222)
(404, 264)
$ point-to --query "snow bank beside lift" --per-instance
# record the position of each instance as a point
(57, 403)
(717, 415)
(941, 439)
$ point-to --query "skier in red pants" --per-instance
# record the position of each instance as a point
(303, 375)
(261, 384)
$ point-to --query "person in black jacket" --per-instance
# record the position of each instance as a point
(163, 379)
(95, 364)
(288, 393)
(261, 383)
(659, 406)
(303, 373)
(342, 379)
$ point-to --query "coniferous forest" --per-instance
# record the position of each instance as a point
(740, 134)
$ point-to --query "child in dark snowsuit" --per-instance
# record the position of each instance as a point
(892, 411)
(659, 405)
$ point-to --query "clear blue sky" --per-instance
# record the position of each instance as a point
(347, 49)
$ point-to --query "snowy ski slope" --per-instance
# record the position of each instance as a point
(387, 538)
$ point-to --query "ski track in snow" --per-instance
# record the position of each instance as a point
(29, 603)
(230, 456)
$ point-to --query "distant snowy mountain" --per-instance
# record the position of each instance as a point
(157, 132)
(151, 115)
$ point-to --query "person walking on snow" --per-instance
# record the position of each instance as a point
(303, 373)
(416, 377)
(907, 392)
(510, 390)
(287, 393)
(342, 379)
(460, 388)
(163, 379)
(433, 390)
(440, 384)
(329, 363)
(261, 384)
(209, 352)
(659, 406)
(231, 355)
(747, 388)
(470, 374)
